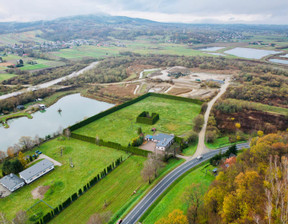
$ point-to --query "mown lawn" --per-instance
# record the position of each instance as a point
(190, 150)
(175, 198)
(88, 159)
(176, 117)
(116, 189)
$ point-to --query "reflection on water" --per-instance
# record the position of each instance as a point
(250, 52)
(74, 108)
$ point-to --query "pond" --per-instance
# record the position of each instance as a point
(211, 48)
(250, 52)
(279, 61)
(74, 109)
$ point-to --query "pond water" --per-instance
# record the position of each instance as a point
(279, 61)
(74, 108)
(250, 52)
(211, 48)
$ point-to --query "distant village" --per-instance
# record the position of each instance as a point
(48, 46)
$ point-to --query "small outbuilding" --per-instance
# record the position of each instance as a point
(12, 182)
(20, 107)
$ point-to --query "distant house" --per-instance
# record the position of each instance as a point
(216, 80)
(36, 171)
(20, 107)
(163, 141)
(42, 107)
(12, 182)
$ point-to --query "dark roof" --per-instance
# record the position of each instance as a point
(36, 169)
(10, 181)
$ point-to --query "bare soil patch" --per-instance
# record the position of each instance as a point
(178, 91)
(39, 192)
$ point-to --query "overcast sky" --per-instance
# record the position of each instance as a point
(187, 11)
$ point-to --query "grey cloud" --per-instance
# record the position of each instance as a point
(260, 11)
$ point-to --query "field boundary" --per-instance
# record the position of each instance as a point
(100, 142)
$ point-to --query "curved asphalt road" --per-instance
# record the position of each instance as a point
(148, 200)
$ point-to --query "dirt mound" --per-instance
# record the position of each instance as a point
(39, 192)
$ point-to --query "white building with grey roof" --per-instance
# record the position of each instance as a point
(12, 182)
(163, 141)
(34, 172)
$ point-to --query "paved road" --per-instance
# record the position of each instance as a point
(148, 200)
(50, 83)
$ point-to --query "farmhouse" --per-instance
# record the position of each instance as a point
(12, 182)
(163, 141)
(36, 171)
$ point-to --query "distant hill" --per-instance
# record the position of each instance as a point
(104, 27)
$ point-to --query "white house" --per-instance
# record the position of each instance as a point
(36, 171)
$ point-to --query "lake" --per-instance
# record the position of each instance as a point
(211, 48)
(250, 52)
(74, 109)
(279, 61)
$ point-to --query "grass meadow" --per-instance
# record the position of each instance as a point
(88, 159)
(176, 117)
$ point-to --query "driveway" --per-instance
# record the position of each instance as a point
(42, 156)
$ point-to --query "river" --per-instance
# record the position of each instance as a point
(74, 108)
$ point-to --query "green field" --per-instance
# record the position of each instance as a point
(6, 76)
(138, 46)
(88, 159)
(174, 199)
(176, 117)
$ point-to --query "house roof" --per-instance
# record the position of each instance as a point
(11, 180)
(162, 139)
(36, 169)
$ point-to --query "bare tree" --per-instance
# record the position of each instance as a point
(37, 140)
(67, 133)
(2, 155)
(20, 218)
(26, 142)
(151, 167)
(193, 198)
(276, 194)
(17, 148)
(100, 218)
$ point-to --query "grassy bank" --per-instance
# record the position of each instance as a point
(5, 118)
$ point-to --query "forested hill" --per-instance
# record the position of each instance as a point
(104, 27)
